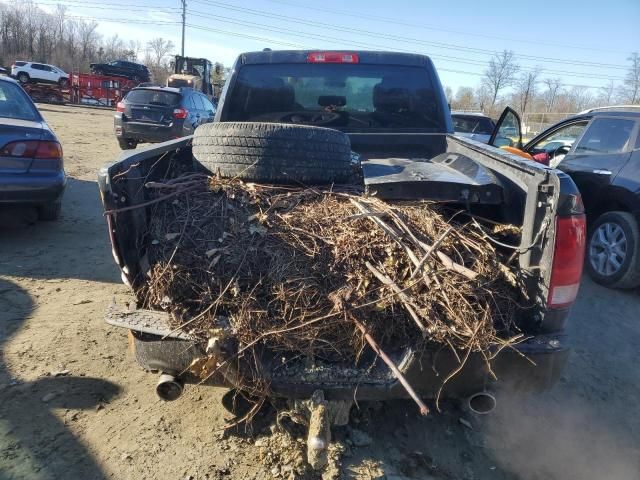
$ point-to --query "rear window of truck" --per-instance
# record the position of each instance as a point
(154, 97)
(336, 95)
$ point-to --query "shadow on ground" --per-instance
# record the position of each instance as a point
(34, 443)
(75, 246)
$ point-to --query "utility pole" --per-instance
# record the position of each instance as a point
(184, 18)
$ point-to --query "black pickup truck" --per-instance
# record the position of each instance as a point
(393, 109)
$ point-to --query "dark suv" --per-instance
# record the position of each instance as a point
(600, 150)
(122, 68)
(157, 114)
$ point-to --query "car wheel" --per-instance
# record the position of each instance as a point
(23, 77)
(127, 143)
(50, 211)
(63, 82)
(613, 250)
(53, 98)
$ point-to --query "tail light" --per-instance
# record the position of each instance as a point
(332, 57)
(180, 113)
(568, 260)
(32, 149)
(43, 155)
(120, 107)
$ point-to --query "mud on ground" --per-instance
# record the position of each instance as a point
(73, 405)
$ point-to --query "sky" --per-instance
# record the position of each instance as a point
(583, 42)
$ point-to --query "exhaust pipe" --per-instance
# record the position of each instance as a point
(481, 403)
(169, 388)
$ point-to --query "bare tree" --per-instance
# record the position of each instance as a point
(88, 38)
(554, 85)
(156, 58)
(631, 89)
(579, 98)
(135, 47)
(158, 49)
(607, 93)
(500, 73)
(526, 88)
(483, 97)
(464, 99)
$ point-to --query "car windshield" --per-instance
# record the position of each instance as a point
(153, 97)
(336, 95)
(14, 103)
(472, 124)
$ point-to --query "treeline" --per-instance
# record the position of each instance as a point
(29, 33)
(536, 95)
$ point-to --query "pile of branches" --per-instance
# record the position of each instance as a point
(324, 272)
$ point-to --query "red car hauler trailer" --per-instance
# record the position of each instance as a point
(99, 90)
(85, 89)
(46, 93)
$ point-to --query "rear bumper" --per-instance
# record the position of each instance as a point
(31, 189)
(533, 366)
(152, 133)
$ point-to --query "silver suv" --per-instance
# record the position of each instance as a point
(27, 72)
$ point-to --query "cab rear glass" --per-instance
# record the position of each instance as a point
(351, 96)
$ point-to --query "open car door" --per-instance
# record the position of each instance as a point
(508, 133)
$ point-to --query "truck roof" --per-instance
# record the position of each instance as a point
(364, 57)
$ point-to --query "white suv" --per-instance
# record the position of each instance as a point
(27, 72)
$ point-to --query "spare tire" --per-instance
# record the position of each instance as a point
(274, 152)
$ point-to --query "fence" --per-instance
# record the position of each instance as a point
(535, 122)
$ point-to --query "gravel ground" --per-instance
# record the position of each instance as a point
(73, 405)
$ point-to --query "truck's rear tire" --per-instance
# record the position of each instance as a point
(274, 152)
(127, 143)
(613, 250)
(50, 211)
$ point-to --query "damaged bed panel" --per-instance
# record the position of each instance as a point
(449, 177)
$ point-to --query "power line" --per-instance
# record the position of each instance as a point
(464, 48)
(447, 58)
(256, 38)
(387, 20)
(263, 13)
(298, 33)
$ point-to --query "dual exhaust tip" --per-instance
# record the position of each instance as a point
(170, 388)
(482, 403)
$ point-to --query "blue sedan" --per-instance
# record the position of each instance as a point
(31, 163)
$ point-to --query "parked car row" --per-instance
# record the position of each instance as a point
(600, 150)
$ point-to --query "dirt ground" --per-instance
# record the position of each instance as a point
(73, 405)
